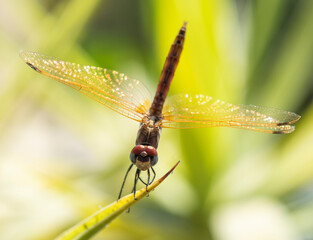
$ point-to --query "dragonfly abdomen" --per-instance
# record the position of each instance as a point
(167, 74)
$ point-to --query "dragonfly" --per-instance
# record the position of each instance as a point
(130, 98)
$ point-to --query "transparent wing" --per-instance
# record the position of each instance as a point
(124, 95)
(199, 111)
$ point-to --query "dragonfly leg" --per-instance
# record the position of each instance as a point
(148, 182)
(135, 182)
(154, 175)
(120, 194)
(142, 181)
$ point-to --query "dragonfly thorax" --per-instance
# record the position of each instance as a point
(144, 156)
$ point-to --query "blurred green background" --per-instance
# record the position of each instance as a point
(62, 155)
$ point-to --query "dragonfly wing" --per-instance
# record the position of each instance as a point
(124, 95)
(199, 111)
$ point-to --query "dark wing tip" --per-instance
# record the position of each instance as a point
(33, 67)
(26, 56)
(279, 132)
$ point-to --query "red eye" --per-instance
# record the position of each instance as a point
(151, 151)
(138, 149)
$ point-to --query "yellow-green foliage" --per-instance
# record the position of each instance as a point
(62, 154)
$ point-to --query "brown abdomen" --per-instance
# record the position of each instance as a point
(167, 74)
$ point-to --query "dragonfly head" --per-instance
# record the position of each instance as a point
(144, 157)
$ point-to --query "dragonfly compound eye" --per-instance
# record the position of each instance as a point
(154, 160)
(137, 150)
(151, 151)
(144, 151)
(144, 156)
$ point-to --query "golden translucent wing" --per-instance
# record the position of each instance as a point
(199, 111)
(124, 95)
